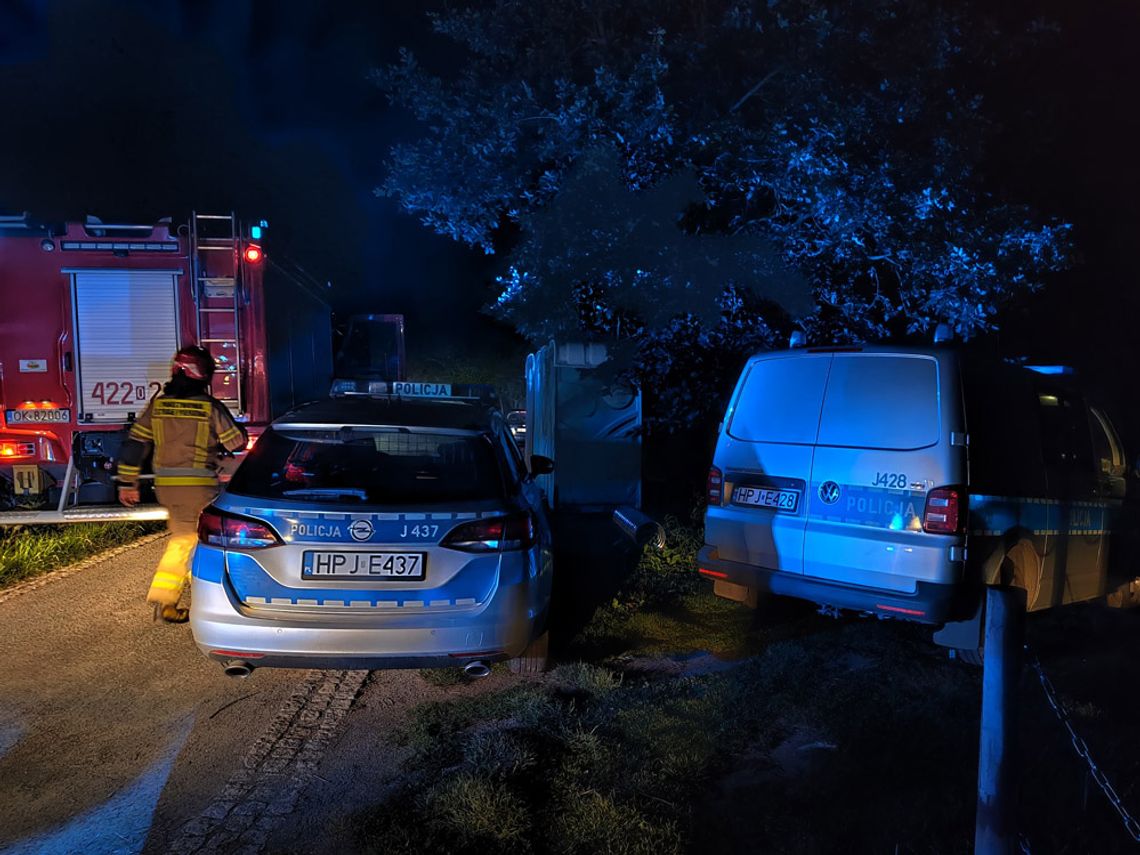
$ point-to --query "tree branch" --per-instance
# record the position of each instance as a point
(754, 89)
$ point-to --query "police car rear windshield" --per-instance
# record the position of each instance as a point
(369, 466)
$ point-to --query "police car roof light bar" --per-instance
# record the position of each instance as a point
(1052, 369)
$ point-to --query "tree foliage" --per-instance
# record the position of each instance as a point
(647, 165)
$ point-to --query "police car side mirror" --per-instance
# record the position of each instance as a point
(540, 465)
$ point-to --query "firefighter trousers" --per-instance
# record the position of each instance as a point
(184, 504)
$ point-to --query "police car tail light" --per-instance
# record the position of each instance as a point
(498, 534)
(216, 528)
(943, 511)
(715, 486)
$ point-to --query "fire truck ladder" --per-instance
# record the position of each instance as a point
(215, 256)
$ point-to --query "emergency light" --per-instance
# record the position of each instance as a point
(253, 254)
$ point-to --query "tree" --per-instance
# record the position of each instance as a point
(663, 169)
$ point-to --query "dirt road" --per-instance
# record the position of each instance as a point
(114, 729)
(118, 736)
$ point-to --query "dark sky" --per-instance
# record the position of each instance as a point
(137, 109)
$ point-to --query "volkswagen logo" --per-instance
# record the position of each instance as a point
(829, 492)
(360, 529)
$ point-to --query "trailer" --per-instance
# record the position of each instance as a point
(93, 313)
(588, 420)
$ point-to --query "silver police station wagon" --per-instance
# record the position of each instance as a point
(396, 529)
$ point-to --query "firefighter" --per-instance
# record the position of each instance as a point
(187, 430)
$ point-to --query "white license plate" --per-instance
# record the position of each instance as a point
(33, 417)
(767, 497)
(362, 565)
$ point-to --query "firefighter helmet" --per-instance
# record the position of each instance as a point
(194, 362)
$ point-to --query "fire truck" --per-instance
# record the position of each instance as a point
(90, 315)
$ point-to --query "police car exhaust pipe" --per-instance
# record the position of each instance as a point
(639, 528)
(237, 669)
(477, 669)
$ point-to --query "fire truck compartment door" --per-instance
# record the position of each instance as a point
(126, 330)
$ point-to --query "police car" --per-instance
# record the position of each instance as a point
(397, 528)
(901, 481)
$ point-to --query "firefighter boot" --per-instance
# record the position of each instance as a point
(170, 577)
(170, 614)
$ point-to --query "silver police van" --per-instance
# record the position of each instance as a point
(901, 481)
(394, 529)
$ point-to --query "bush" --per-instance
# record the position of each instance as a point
(664, 575)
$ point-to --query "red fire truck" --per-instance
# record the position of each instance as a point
(90, 314)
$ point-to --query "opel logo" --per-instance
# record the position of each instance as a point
(360, 529)
(829, 492)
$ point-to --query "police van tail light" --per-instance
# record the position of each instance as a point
(216, 528)
(945, 511)
(715, 486)
(498, 534)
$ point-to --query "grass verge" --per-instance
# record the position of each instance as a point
(823, 736)
(589, 761)
(34, 550)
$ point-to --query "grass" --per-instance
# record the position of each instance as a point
(34, 550)
(821, 736)
(589, 761)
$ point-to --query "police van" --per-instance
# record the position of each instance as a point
(901, 481)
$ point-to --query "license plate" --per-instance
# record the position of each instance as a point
(767, 497)
(30, 417)
(362, 565)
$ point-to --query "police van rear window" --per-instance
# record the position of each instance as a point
(779, 400)
(881, 401)
(369, 466)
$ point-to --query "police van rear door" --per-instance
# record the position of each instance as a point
(765, 454)
(883, 444)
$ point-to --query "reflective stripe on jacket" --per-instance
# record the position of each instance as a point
(186, 434)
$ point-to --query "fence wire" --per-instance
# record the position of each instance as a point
(1131, 825)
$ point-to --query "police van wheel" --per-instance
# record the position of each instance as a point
(533, 660)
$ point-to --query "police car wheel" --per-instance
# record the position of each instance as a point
(533, 660)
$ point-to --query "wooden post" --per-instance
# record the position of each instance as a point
(995, 829)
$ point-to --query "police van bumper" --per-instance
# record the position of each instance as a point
(931, 602)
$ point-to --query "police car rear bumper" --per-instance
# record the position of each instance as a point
(224, 630)
(931, 602)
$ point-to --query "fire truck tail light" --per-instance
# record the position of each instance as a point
(253, 254)
(37, 405)
(10, 450)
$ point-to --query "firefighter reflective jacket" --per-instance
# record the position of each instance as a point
(187, 434)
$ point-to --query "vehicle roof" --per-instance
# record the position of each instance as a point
(969, 355)
(917, 350)
(448, 413)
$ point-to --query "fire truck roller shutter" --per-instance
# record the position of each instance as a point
(126, 328)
